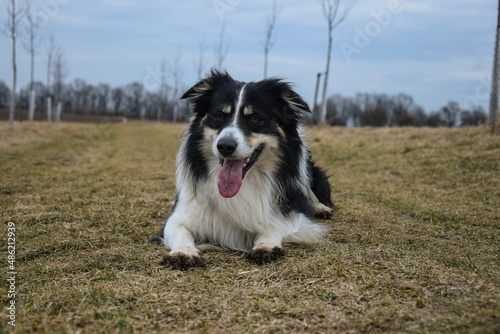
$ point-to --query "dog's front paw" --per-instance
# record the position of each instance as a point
(181, 261)
(322, 211)
(265, 255)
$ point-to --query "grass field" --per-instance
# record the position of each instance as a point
(414, 246)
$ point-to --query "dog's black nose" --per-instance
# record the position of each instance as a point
(226, 146)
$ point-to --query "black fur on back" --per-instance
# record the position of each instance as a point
(292, 198)
(320, 185)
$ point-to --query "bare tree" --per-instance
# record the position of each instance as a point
(450, 113)
(118, 96)
(50, 55)
(31, 46)
(59, 72)
(473, 117)
(134, 97)
(495, 77)
(4, 95)
(315, 102)
(176, 76)
(334, 14)
(201, 58)
(79, 95)
(222, 48)
(14, 13)
(103, 92)
(162, 91)
(269, 43)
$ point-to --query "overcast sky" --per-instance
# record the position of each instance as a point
(436, 51)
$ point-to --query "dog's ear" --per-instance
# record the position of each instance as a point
(283, 91)
(200, 95)
(202, 87)
(294, 100)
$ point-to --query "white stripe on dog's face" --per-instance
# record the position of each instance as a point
(243, 150)
(237, 111)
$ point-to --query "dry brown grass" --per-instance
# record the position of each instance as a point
(414, 246)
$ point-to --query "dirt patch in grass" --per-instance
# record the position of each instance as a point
(414, 246)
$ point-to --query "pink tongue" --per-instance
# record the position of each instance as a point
(230, 177)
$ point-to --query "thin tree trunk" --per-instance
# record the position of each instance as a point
(32, 76)
(49, 109)
(315, 103)
(322, 118)
(13, 33)
(32, 54)
(14, 80)
(31, 114)
(268, 45)
(495, 77)
(49, 63)
(50, 53)
(265, 63)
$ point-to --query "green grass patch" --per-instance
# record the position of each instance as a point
(414, 246)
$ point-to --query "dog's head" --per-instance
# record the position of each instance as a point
(244, 122)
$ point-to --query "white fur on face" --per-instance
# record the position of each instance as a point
(243, 150)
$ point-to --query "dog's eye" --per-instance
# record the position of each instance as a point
(254, 119)
(220, 116)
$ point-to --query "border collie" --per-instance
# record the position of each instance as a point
(245, 179)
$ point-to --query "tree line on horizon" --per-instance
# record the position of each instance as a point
(135, 101)
(379, 110)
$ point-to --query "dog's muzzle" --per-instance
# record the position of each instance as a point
(226, 146)
(233, 171)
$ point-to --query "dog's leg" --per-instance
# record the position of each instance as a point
(320, 210)
(320, 192)
(184, 253)
(267, 248)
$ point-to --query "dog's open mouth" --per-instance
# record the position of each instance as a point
(233, 171)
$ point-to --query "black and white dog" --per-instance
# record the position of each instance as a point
(245, 179)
